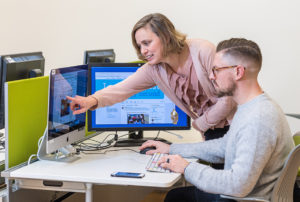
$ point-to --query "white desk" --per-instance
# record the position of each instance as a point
(79, 176)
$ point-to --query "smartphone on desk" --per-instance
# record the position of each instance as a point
(128, 174)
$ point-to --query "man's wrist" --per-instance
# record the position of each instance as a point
(169, 149)
(186, 167)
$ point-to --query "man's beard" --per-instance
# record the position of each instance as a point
(227, 92)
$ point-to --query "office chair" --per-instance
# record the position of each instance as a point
(296, 138)
(284, 186)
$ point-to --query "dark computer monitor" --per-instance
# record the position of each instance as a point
(148, 110)
(16, 67)
(99, 56)
(63, 128)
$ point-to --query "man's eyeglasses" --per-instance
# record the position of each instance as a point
(215, 68)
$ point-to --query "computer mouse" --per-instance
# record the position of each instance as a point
(143, 151)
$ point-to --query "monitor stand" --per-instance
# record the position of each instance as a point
(136, 138)
(64, 154)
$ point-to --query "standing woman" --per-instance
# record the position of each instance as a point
(179, 67)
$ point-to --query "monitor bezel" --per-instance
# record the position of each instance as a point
(91, 128)
(78, 134)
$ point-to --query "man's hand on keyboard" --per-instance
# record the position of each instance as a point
(160, 147)
(174, 163)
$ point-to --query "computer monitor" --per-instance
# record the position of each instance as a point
(64, 128)
(148, 110)
(99, 56)
(16, 67)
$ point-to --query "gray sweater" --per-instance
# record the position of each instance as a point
(253, 150)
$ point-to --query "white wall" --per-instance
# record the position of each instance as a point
(63, 29)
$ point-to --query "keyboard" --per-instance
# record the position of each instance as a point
(153, 165)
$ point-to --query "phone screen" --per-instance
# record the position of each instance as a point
(128, 174)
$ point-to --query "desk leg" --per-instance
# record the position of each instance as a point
(89, 192)
(9, 190)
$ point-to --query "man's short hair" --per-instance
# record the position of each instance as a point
(241, 48)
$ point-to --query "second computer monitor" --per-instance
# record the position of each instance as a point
(99, 56)
(65, 128)
(18, 66)
(148, 110)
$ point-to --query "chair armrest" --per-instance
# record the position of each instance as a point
(244, 198)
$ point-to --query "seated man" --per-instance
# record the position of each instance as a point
(255, 147)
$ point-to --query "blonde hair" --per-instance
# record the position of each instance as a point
(173, 41)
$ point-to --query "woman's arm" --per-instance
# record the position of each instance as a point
(222, 110)
(137, 82)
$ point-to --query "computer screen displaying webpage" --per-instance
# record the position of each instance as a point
(149, 108)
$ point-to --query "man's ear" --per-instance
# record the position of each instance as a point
(240, 72)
